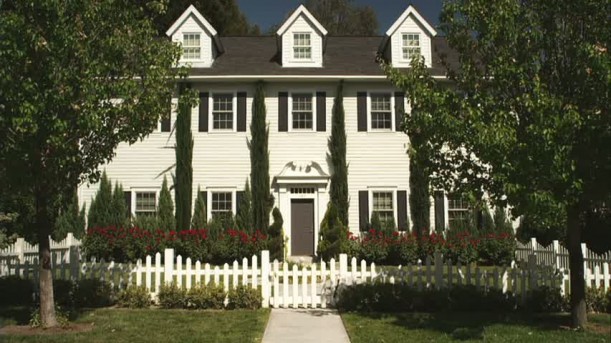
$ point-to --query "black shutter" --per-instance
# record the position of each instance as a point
(241, 124)
(127, 195)
(283, 111)
(238, 200)
(203, 112)
(363, 209)
(361, 104)
(321, 111)
(399, 111)
(440, 212)
(402, 211)
(165, 123)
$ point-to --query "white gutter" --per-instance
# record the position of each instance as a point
(294, 77)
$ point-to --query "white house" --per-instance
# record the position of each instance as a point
(301, 66)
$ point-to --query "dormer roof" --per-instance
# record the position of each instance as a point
(301, 10)
(198, 16)
(411, 11)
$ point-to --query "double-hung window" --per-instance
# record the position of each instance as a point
(410, 43)
(146, 204)
(459, 211)
(222, 111)
(222, 203)
(191, 46)
(381, 111)
(302, 112)
(302, 46)
(383, 206)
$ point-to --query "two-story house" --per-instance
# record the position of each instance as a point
(301, 66)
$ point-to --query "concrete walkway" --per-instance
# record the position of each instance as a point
(305, 325)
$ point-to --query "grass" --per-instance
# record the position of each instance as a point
(472, 327)
(152, 325)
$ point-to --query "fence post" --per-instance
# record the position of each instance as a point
(168, 264)
(584, 251)
(19, 249)
(532, 272)
(265, 286)
(533, 243)
(438, 270)
(343, 266)
(556, 245)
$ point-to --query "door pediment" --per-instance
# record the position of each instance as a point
(302, 172)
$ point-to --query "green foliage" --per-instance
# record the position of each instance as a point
(244, 216)
(545, 223)
(376, 223)
(338, 191)
(119, 214)
(70, 219)
(276, 236)
(171, 296)
(134, 297)
(487, 224)
(100, 210)
(199, 219)
(63, 318)
(165, 209)
(597, 299)
(93, 293)
(501, 222)
(147, 222)
(333, 234)
(183, 187)
(545, 299)
(419, 196)
(63, 291)
(15, 291)
(262, 199)
(209, 296)
(244, 297)
(344, 17)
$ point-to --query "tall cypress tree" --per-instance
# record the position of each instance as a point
(200, 219)
(243, 217)
(262, 199)
(100, 208)
(337, 154)
(183, 189)
(419, 198)
(165, 210)
(118, 209)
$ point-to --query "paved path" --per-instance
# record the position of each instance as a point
(305, 325)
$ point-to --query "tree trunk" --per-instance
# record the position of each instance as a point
(578, 285)
(43, 223)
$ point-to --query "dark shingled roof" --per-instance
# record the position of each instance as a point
(342, 56)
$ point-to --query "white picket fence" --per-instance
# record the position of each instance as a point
(557, 255)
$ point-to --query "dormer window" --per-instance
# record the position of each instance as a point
(410, 45)
(302, 46)
(191, 46)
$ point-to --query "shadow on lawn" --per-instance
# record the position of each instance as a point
(469, 325)
(20, 315)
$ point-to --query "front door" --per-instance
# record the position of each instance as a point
(302, 227)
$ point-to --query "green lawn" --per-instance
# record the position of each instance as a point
(472, 327)
(154, 325)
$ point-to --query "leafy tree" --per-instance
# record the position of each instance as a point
(276, 236)
(70, 219)
(262, 199)
(100, 209)
(244, 216)
(344, 18)
(183, 188)
(165, 209)
(332, 235)
(199, 219)
(62, 63)
(501, 222)
(119, 215)
(337, 156)
(530, 103)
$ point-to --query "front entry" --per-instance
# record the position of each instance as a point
(302, 227)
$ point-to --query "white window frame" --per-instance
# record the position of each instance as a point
(184, 56)
(211, 110)
(383, 190)
(408, 47)
(295, 46)
(134, 191)
(220, 190)
(449, 200)
(290, 109)
(392, 111)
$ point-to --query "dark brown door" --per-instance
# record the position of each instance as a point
(302, 227)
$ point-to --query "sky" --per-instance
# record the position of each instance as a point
(266, 13)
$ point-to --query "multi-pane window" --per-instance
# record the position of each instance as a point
(302, 46)
(302, 112)
(222, 111)
(383, 206)
(221, 203)
(146, 203)
(191, 47)
(458, 211)
(411, 45)
(381, 111)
